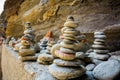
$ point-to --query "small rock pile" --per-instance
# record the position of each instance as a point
(67, 67)
(26, 50)
(99, 48)
(45, 57)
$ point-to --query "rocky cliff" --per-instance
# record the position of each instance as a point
(48, 15)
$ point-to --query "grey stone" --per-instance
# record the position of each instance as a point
(80, 55)
(98, 33)
(100, 36)
(98, 46)
(65, 73)
(107, 70)
(90, 67)
(99, 56)
(73, 63)
(96, 61)
(101, 51)
(99, 40)
(66, 50)
(116, 57)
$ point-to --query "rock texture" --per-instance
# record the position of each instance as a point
(107, 70)
(50, 14)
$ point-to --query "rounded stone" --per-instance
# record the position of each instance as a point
(54, 48)
(99, 33)
(73, 63)
(90, 67)
(45, 57)
(26, 52)
(70, 46)
(65, 73)
(108, 70)
(100, 51)
(64, 56)
(66, 50)
(98, 46)
(68, 41)
(71, 24)
(100, 36)
(27, 58)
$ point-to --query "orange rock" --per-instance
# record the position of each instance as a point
(49, 36)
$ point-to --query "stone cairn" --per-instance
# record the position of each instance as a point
(26, 50)
(45, 57)
(99, 48)
(67, 67)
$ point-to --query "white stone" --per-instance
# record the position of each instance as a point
(98, 33)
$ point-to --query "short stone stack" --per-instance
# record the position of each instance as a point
(45, 57)
(26, 50)
(67, 67)
(99, 47)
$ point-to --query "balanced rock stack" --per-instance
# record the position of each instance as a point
(99, 47)
(67, 67)
(26, 50)
(45, 57)
(50, 44)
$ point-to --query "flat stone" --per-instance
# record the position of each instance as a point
(66, 50)
(70, 46)
(45, 57)
(90, 67)
(26, 52)
(71, 32)
(65, 73)
(99, 43)
(73, 63)
(107, 70)
(100, 36)
(100, 51)
(27, 58)
(64, 56)
(98, 46)
(68, 41)
(70, 38)
(69, 35)
(71, 24)
(99, 40)
(99, 56)
(99, 33)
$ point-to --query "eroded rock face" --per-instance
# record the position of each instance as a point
(50, 14)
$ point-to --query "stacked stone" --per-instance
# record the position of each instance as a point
(99, 47)
(67, 67)
(43, 44)
(50, 44)
(45, 57)
(26, 50)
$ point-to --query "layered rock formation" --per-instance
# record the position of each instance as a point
(50, 14)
